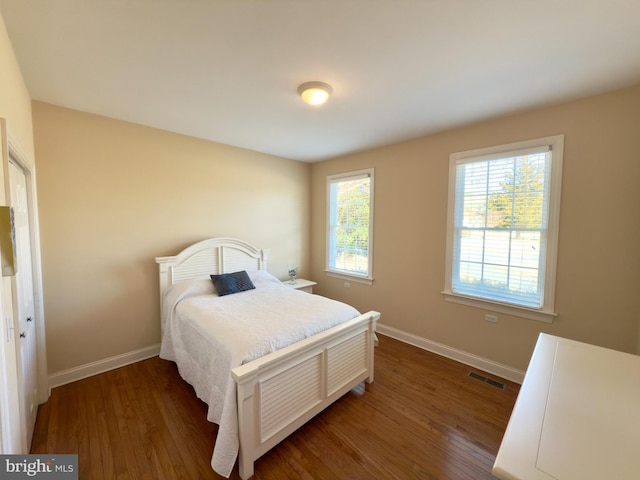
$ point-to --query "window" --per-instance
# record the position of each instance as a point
(350, 225)
(502, 227)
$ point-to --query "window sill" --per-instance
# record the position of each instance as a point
(531, 314)
(353, 278)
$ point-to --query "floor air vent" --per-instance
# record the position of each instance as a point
(489, 381)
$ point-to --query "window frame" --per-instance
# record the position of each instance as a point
(330, 270)
(546, 312)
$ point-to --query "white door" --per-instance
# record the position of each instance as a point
(24, 302)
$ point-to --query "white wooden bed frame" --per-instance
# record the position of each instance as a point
(281, 391)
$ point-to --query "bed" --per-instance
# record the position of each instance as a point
(259, 388)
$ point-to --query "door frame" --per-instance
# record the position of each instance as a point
(10, 421)
(12, 151)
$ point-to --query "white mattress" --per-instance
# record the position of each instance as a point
(207, 335)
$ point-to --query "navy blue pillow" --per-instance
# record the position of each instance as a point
(229, 283)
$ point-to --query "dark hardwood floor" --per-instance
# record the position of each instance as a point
(422, 418)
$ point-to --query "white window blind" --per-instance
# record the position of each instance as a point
(503, 222)
(349, 229)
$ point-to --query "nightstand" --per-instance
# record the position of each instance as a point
(301, 284)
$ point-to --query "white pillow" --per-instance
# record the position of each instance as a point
(262, 278)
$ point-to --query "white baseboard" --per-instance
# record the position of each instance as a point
(470, 359)
(111, 363)
(101, 366)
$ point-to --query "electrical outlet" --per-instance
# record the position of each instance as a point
(491, 318)
(347, 284)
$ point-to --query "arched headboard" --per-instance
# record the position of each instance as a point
(210, 257)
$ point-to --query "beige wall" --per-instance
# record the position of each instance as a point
(598, 279)
(114, 195)
(15, 102)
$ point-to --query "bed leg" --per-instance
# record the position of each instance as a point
(245, 467)
(245, 391)
(373, 343)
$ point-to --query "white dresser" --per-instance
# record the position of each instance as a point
(577, 416)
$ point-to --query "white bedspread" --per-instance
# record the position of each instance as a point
(207, 335)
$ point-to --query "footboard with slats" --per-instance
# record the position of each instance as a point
(278, 393)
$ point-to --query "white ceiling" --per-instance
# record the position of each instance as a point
(227, 70)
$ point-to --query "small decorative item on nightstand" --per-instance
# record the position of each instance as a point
(293, 273)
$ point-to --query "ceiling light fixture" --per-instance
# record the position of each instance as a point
(315, 93)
